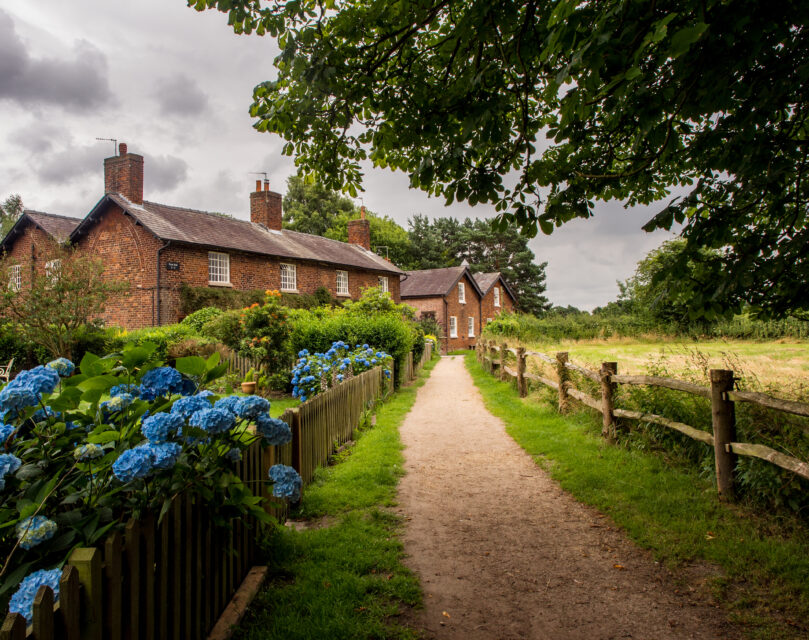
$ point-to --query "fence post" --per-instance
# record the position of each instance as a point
(503, 352)
(88, 563)
(723, 414)
(297, 462)
(563, 376)
(13, 628)
(608, 369)
(521, 386)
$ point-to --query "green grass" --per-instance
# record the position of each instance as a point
(346, 579)
(279, 405)
(459, 352)
(761, 562)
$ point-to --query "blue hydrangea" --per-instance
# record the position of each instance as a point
(161, 381)
(133, 464)
(274, 431)
(22, 601)
(234, 455)
(120, 389)
(252, 406)
(228, 403)
(213, 421)
(9, 463)
(62, 366)
(187, 387)
(303, 353)
(189, 405)
(15, 399)
(116, 404)
(286, 482)
(40, 415)
(164, 456)
(5, 432)
(88, 452)
(206, 393)
(40, 379)
(35, 530)
(158, 427)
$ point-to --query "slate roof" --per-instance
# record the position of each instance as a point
(486, 280)
(58, 227)
(212, 230)
(428, 283)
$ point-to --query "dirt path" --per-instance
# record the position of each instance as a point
(502, 552)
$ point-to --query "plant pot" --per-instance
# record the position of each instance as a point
(248, 387)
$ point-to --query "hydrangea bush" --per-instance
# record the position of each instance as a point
(316, 372)
(83, 449)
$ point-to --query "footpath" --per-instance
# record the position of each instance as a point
(502, 552)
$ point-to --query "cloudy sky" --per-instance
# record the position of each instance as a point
(175, 85)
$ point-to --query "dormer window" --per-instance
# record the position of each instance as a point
(461, 293)
(497, 296)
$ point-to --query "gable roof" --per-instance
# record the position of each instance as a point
(428, 283)
(189, 226)
(487, 280)
(58, 227)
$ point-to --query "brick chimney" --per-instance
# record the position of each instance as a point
(265, 206)
(359, 231)
(123, 174)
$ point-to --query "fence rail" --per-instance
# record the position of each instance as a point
(721, 394)
(173, 577)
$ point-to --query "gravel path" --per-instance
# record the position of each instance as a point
(502, 552)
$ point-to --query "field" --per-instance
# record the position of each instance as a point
(780, 366)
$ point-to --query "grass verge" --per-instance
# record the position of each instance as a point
(763, 561)
(345, 580)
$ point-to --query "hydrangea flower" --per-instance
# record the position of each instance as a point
(161, 381)
(187, 387)
(158, 427)
(88, 452)
(213, 420)
(132, 464)
(5, 432)
(120, 389)
(252, 406)
(40, 415)
(116, 404)
(234, 455)
(9, 463)
(286, 482)
(228, 403)
(189, 405)
(40, 379)
(22, 601)
(62, 366)
(164, 456)
(15, 399)
(35, 530)
(274, 431)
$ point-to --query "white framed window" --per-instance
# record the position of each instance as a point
(289, 277)
(497, 296)
(488, 320)
(453, 327)
(15, 277)
(383, 283)
(52, 269)
(218, 267)
(461, 293)
(342, 283)
(471, 322)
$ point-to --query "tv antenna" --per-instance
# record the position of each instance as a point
(261, 173)
(114, 143)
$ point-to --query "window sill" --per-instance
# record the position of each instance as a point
(343, 295)
(220, 284)
(289, 291)
(452, 336)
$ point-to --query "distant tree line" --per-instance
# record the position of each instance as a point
(425, 244)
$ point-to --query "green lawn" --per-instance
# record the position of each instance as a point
(761, 562)
(279, 405)
(346, 579)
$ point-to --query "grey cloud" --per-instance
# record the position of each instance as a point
(36, 137)
(164, 173)
(180, 95)
(75, 82)
(71, 164)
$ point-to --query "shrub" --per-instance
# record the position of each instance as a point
(266, 333)
(199, 317)
(202, 347)
(162, 337)
(226, 328)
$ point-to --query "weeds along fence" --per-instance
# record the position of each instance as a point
(721, 394)
(171, 577)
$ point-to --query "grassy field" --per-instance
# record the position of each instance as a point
(776, 365)
(755, 565)
(344, 579)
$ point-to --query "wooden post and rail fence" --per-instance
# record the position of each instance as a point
(495, 359)
(173, 577)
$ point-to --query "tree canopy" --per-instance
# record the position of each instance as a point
(575, 102)
(10, 211)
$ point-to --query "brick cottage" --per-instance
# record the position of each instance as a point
(458, 300)
(157, 248)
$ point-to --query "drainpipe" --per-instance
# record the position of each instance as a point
(446, 323)
(157, 294)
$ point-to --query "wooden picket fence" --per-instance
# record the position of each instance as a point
(721, 393)
(238, 363)
(173, 578)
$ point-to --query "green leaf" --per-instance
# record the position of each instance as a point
(104, 437)
(192, 366)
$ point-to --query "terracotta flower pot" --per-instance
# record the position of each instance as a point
(248, 387)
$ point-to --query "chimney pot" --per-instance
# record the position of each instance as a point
(266, 185)
(122, 149)
(362, 212)
(258, 185)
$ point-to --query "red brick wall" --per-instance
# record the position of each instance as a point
(32, 249)
(488, 310)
